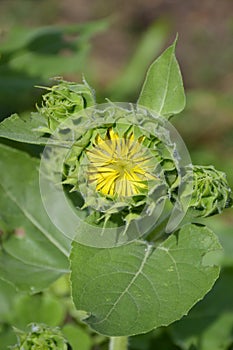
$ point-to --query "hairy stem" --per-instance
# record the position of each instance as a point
(118, 343)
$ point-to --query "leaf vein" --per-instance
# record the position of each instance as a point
(147, 254)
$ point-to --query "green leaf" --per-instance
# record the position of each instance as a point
(209, 324)
(40, 308)
(46, 65)
(19, 37)
(26, 277)
(16, 39)
(34, 253)
(134, 288)
(21, 129)
(77, 337)
(7, 295)
(163, 90)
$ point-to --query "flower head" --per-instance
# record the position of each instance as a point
(119, 166)
(121, 162)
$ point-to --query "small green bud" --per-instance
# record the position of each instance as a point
(211, 192)
(40, 337)
(64, 100)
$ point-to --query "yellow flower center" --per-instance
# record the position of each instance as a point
(119, 166)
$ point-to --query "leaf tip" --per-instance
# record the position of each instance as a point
(175, 41)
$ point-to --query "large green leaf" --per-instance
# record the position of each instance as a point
(22, 129)
(134, 288)
(163, 90)
(34, 253)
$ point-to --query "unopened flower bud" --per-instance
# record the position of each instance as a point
(64, 100)
(40, 337)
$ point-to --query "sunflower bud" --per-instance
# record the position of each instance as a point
(64, 100)
(117, 163)
(211, 192)
(40, 337)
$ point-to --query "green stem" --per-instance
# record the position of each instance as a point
(118, 343)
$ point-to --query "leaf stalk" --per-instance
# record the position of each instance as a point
(118, 343)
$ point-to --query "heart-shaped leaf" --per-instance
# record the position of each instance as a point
(134, 288)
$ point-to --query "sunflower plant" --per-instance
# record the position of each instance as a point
(116, 201)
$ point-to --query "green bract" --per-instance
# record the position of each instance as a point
(64, 100)
(40, 337)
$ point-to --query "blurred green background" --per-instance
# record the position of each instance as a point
(111, 43)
